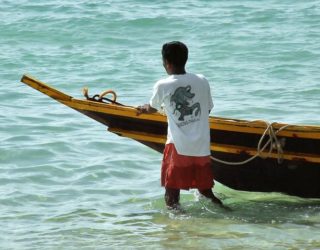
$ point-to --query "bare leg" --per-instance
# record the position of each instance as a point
(172, 197)
(209, 194)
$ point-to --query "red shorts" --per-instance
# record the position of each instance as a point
(185, 172)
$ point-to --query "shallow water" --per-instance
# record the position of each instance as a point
(66, 183)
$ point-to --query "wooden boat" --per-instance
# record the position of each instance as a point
(246, 155)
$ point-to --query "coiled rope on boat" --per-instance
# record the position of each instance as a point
(101, 97)
(273, 143)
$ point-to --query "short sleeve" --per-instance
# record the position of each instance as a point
(156, 99)
(210, 104)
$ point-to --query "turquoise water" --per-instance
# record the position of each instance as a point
(66, 183)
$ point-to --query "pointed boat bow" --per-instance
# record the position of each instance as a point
(45, 89)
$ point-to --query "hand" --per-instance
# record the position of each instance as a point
(145, 109)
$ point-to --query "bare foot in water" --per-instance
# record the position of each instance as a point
(209, 194)
(215, 200)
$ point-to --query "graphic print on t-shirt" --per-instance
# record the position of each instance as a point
(183, 99)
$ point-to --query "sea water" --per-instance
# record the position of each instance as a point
(67, 183)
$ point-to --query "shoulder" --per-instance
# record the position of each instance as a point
(202, 77)
(198, 78)
(163, 82)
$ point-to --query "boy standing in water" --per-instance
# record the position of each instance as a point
(187, 102)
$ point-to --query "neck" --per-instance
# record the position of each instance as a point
(178, 71)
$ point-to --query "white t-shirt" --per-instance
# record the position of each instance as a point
(187, 102)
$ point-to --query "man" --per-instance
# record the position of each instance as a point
(187, 102)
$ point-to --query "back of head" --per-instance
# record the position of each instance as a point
(175, 53)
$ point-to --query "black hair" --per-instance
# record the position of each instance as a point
(176, 53)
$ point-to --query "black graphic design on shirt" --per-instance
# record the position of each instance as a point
(182, 99)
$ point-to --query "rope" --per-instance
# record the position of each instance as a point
(273, 143)
(101, 98)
